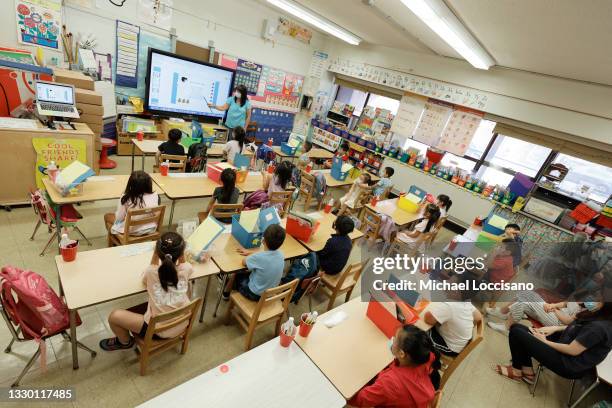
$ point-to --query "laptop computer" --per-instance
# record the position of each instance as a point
(53, 99)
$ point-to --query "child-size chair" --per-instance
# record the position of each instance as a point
(270, 308)
(68, 217)
(282, 201)
(221, 211)
(450, 364)
(176, 164)
(134, 218)
(344, 282)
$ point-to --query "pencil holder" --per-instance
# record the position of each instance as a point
(305, 328)
(285, 340)
(70, 252)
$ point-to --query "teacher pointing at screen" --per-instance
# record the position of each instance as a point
(238, 110)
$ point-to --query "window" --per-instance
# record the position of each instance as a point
(352, 97)
(417, 145)
(378, 101)
(517, 155)
(450, 159)
(493, 176)
(481, 139)
(593, 179)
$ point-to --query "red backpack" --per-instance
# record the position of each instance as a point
(33, 306)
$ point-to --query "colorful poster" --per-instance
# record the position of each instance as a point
(275, 81)
(459, 131)
(293, 85)
(61, 151)
(432, 123)
(248, 74)
(39, 22)
(408, 115)
(294, 30)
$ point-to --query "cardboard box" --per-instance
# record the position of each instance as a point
(93, 119)
(87, 96)
(86, 108)
(97, 129)
(76, 78)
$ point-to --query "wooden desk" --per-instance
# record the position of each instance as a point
(146, 147)
(107, 274)
(216, 150)
(317, 242)
(351, 353)
(282, 155)
(268, 376)
(318, 153)
(253, 182)
(399, 216)
(95, 188)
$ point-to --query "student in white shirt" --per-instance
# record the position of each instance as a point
(236, 145)
(453, 322)
(444, 204)
(423, 225)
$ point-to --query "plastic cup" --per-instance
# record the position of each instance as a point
(304, 329)
(285, 340)
(69, 253)
(308, 168)
(327, 208)
(453, 244)
(374, 201)
(140, 136)
(163, 169)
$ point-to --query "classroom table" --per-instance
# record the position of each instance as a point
(253, 182)
(318, 153)
(106, 274)
(95, 188)
(389, 207)
(224, 252)
(351, 353)
(283, 155)
(216, 150)
(267, 376)
(146, 147)
(318, 240)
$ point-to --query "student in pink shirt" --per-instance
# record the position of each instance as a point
(167, 282)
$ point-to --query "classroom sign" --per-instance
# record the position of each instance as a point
(39, 22)
(61, 151)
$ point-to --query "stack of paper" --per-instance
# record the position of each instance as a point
(204, 235)
(346, 167)
(73, 175)
(303, 217)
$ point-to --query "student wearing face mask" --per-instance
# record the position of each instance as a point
(238, 109)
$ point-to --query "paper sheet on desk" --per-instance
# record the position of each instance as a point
(335, 319)
(413, 197)
(187, 175)
(133, 250)
(205, 234)
(15, 123)
(100, 178)
(248, 219)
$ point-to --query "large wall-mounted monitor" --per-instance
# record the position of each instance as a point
(179, 86)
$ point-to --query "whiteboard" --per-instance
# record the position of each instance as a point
(466, 205)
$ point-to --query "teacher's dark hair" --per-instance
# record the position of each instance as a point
(243, 94)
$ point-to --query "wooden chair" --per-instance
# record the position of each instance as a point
(147, 346)
(310, 286)
(306, 190)
(401, 247)
(371, 224)
(221, 211)
(360, 203)
(177, 164)
(437, 401)
(436, 228)
(270, 308)
(281, 199)
(136, 217)
(450, 364)
(344, 282)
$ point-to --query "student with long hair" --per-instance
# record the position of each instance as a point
(167, 283)
(138, 194)
(238, 110)
(444, 204)
(279, 180)
(569, 351)
(235, 146)
(431, 214)
(227, 193)
(411, 380)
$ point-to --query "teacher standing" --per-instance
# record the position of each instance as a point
(238, 110)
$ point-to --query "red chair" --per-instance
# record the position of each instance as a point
(105, 162)
(68, 217)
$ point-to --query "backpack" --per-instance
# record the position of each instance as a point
(301, 269)
(38, 312)
(320, 187)
(196, 158)
(265, 153)
(255, 200)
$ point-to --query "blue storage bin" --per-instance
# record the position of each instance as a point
(285, 148)
(208, 140)
(241, 161)
(495, 224)
(336, 170)
(417, 192)
(253, 239)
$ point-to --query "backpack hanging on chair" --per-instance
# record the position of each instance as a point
(196, 158)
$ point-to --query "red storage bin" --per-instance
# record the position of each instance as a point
(583, 213)
(300, 229)
(604, 221)
(434, 156)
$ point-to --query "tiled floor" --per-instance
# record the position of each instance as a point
(112, 379)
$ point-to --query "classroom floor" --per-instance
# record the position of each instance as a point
(112, 379)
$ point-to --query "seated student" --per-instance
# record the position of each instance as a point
(337, 250)
(349, 200)
(501, 264)
(343, 150)
(227, 193)
(172, 145)
(569, 351)
(279, 180)
(453, 322)
(235, 146)
(266, 267)
(411, 380)
(167, 283)
(304, 157)
(431, 214)
(444, 204)
(513, 231)
(530, 304)
(384, 184)
(138, 194)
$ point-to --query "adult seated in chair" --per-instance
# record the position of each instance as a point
(569, 351)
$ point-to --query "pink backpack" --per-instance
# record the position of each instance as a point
(256, 199)
(36, 309)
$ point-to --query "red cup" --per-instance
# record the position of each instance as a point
(308, 168)
(327, 208)
(163, 169)
(285, 340)
(304, 329)
(374, 201)
(477, 221)
(140, 136)
(271, 169)
(69, 253)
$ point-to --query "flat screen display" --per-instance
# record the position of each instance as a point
(184, 87)
(46, 92)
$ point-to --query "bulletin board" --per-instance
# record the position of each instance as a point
(268, 87)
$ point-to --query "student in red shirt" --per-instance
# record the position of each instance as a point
(411, 380)
(502, 261)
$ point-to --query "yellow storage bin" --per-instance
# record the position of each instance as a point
(407, 205)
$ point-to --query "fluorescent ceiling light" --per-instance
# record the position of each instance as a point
(314, 19)
(443, 22)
